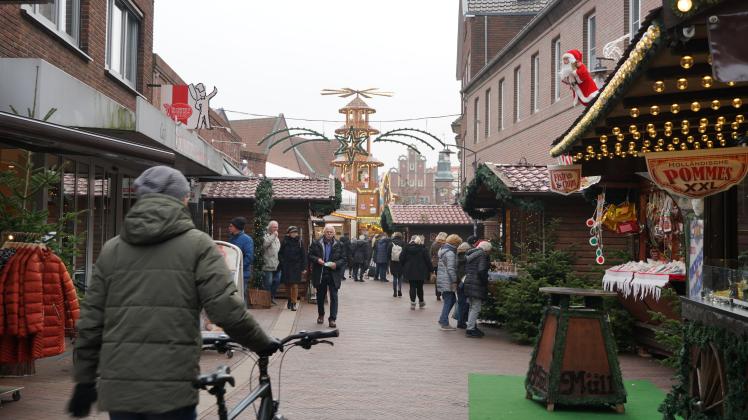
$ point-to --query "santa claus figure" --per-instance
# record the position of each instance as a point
(574, 74)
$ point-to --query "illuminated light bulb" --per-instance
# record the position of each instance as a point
(695, 106)
(646, 143)
(731, 84)
(632, 145)
(616, 130)
(660, 142)
(659, 86)
(658, 149)
(599, 156)
(715, 104)
(683, 146)
(579, 155)
(650, 127)
(684, 123)
(720, 136)
(637, 135)
(734, 135)
(586, 158)
(697, 145)
(620, 137)
(709, 144)
(735, 125)
(676, 140)
(603, 139)
(737, 102)
(689, 139)
(675, 108)
(605, 153)
(702, 129)
(670, 147)
(618, 146)
(632, 129)
(652, 134)
(617, 153)
(668, 133)
(682, 83)
(634, 112)
(703, 121)
(686, 62)
(654, 109)
(709, 59)
(721, 120)
(590, 149)
(739, 118)
(645, 150)
(668, 125)
(705, 137)
(717, 127)
(684, 129)
(723, 143)
(707, 81)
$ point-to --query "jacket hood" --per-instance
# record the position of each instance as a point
(155, 218)
(447, 247)
(474, 253)
(412, 248)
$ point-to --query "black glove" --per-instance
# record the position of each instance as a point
(271, 348)
(84, 396)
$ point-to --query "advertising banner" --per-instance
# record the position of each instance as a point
(565, 179)
(698, 173)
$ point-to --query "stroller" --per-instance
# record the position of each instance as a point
(233, 257)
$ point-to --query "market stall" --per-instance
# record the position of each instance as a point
(671, 114)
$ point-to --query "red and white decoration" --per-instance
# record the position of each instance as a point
(575, 74)
(187, 104)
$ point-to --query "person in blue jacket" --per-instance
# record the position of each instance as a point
(247, 245)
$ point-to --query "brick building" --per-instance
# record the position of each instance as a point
(414, 183)
(508, 57)
(76, 92)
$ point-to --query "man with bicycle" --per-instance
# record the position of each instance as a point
(138, 344)
(328, 260)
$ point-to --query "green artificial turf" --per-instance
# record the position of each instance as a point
(494, 397)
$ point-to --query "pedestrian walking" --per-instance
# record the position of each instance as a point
(416, 269)
(446, 278)
(328, 261)
(461, 312)
(396, 267)
(382, 256)
(434, 252)
(158, 273)
(360, 258)
(292, 262)
(270, 249)
(247, 246)
(476, 285)
(346, 241)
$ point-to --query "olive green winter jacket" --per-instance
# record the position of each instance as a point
(138, 334)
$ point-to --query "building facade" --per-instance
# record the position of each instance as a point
(513, 103)
(413, 182)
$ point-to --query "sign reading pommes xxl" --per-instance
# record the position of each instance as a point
(698, 173)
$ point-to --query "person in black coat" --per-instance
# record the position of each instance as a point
(293, 264)
(328, 261)
(476, 284)
(346, 241)
(396, 266)
(360, 257)
(417, 268)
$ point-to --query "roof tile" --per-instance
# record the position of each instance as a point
(522, 178)
(504, 7)
(283, 189)
(429, 214)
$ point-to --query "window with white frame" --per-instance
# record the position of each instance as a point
(60, 16)
(517, 76)
(556, 68)
(487, 119)
(501, 104)
(534, 82)
(590, 29)
(123, 37)
(634, 17)
(475, 120)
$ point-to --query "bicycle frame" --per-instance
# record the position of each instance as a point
(268, 407)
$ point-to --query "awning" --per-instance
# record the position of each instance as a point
(47, 137)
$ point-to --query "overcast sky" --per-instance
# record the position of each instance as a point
(272, 57)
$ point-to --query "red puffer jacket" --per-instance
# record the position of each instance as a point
(61, 308)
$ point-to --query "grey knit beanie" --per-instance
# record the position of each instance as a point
(162, 180)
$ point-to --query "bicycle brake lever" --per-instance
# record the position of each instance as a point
(326, 342)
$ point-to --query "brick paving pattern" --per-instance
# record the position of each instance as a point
(389, 363)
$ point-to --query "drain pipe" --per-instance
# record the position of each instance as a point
(485, 41)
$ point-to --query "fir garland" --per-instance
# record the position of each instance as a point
(735, 355)
(263, 208)
(323, 209)
(386, 222)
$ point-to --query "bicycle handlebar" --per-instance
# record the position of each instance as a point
(222, 341)
(311, 335)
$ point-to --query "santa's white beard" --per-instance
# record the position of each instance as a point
(566, 72)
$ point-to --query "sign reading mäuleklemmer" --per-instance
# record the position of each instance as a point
(565, 179)
(698, 173)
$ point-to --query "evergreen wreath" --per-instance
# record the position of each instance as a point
(263, 208)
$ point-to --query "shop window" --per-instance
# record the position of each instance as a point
(501, 104)
(535, 83)
(556, 68)
(634, 17)
(589, 41)
(487, 119)
(62, 17)
(517, 93)
(123, 36)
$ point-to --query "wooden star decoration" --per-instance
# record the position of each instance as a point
(350, 144)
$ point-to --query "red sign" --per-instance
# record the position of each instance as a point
(565, 179)
(698, 173)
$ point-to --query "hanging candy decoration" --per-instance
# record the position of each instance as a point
(596, 231)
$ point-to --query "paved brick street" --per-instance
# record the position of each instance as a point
(393, 363)
(389, 363)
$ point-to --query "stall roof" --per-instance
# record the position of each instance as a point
(522, 178)
(429, 214)
(283, 189)
(662, 96)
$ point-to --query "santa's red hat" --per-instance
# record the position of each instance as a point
(573, 56)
